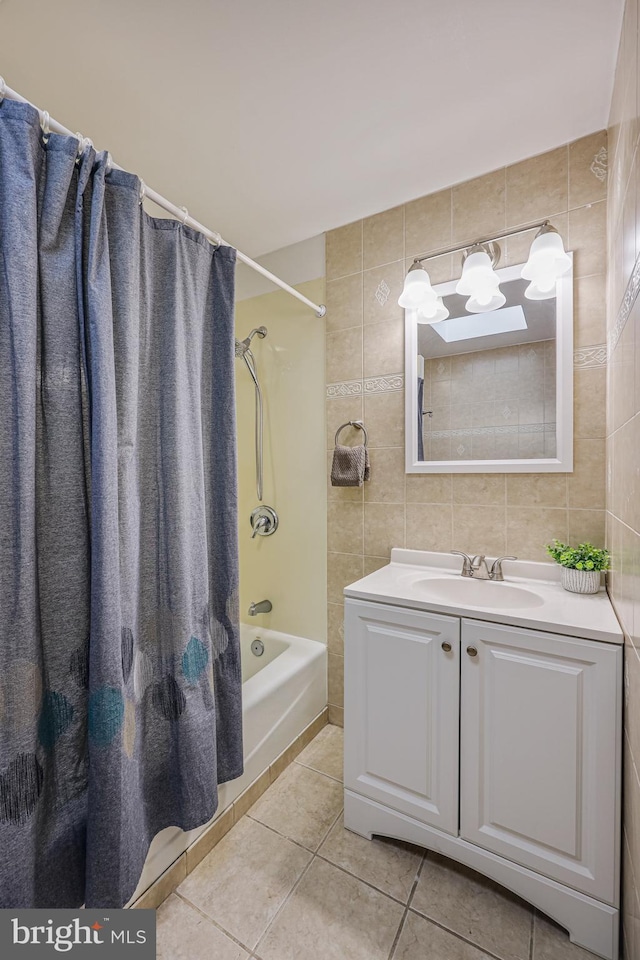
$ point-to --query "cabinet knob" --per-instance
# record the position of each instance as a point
(446, 646)
(472, 651)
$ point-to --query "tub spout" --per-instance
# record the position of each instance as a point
(264, 606)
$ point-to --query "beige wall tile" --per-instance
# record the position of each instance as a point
(537, 489)
(589, 311)
(589, 407)
(382, 286)
(336, 680)
(384, 528)
(587, 526)
(335, 629)
(336, 715)
(213, 834)
(429, 488)
(342, 569)
(479, 488)
(383, 348)
(479, 207)
(384, 419)
(345, 527)
(529, 529)
(429, 526)
(343, 250)
(428, 223)
(387, 475)
(344, 355)
(344, 302)
(249, 796)
(586, 485)
(538, 187)
(383, 237)
(587, 239)
(585, 162)
(340, 411)
(479, 531)
(371, 564)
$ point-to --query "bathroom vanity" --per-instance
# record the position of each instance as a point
(483, 721)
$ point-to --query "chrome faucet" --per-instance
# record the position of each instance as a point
(263, 606)
(477, 567)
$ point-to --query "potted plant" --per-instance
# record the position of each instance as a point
(581, 565)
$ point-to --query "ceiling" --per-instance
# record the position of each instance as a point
(275, 120)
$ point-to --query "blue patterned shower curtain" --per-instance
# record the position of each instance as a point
(120, 690)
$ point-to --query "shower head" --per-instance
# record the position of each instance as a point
(243, 345)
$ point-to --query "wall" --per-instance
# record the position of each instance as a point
(494, 514)
(288, 568)
(623, 438)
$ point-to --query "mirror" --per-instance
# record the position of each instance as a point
(492, 392)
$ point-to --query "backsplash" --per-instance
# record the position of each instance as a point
(623, 439)
(496, 514)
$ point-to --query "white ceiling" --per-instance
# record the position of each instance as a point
(274, 120)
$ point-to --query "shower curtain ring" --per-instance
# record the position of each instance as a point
(3, 87)
(186, 215)
(143, 191)
(46, 129)
(109, 165)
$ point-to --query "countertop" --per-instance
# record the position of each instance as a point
(405, 582)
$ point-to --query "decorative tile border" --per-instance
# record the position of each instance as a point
(392, 383)
(630, 294)
(587, 357)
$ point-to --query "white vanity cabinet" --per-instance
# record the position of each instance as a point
(493, 744)
(402, 672)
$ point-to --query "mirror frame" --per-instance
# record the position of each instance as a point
(563, 462)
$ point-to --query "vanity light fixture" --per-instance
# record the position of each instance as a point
(433, 313)
(417, 291)
(547, 262)
(479, 281)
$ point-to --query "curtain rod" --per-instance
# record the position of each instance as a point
(180, 213)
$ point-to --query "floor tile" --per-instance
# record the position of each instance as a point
(422, 940)
(332, 916)
(301, 805)
(389, 865)
(551, 942)
(475, 907)
(184, 934)
(325, 752)
(245, 879)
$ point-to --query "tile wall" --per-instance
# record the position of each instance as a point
(623, 437)
(494, 514)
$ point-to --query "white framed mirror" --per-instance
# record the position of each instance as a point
(492, 392)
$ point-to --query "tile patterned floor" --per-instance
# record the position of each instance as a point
(288, 882)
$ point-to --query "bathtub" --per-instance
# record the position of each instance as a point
(282, 692)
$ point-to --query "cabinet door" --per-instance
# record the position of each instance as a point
(402, 710)
(540, 752)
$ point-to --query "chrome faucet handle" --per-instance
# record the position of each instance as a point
(467, 565)
(496, 568)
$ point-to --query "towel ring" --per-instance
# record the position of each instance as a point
(352, 423)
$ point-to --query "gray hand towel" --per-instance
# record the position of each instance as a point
(350, 467)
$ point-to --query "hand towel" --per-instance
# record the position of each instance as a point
(350, 467)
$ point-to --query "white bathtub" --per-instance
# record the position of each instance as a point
(282, 692)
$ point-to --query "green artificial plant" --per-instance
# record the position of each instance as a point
(583, 557)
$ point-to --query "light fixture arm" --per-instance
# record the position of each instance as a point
(542, 225)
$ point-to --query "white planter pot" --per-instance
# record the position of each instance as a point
(581, 581)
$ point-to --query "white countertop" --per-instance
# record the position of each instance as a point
(405, 582)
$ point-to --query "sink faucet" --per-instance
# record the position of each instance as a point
(477, 567)
(263, 606)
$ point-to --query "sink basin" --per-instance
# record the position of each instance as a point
(477, 593)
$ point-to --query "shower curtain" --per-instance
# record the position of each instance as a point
(120, 696)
